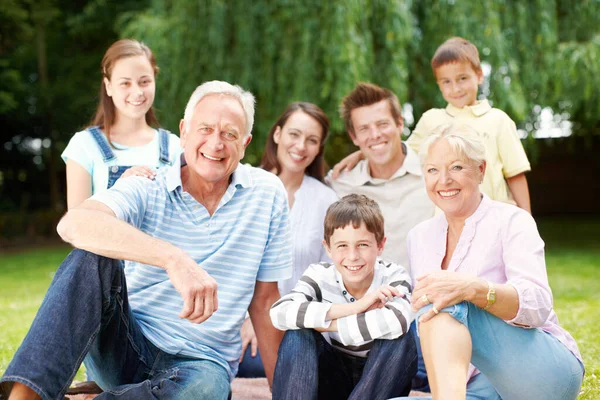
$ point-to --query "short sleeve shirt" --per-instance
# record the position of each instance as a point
(84, 150)
(245, 240)
(505, 155)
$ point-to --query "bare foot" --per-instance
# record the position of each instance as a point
(22, 392)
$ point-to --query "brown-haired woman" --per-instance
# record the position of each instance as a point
(122, 138)
(294, 152)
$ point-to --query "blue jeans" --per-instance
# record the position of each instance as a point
(310, 368)
(251, 367)
(86, 312)
(516, 363)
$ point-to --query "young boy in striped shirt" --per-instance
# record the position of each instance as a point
(347, 323)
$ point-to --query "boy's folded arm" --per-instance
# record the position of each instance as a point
(341, 310)
(389, 322)
(294, 311)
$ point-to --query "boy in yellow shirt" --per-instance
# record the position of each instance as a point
(458, 73)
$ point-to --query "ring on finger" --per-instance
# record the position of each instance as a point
(425, 299)
(435, 310)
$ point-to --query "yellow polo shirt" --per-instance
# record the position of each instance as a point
(504, 152)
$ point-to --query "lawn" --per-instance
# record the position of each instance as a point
(573, 259)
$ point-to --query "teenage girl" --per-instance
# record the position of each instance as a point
(122, 139)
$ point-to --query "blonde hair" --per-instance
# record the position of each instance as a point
(464, 141)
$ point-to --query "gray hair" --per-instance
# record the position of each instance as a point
(245, 98)
(464, 141)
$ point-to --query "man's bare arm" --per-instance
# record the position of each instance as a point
(93, 226)
(269, 338)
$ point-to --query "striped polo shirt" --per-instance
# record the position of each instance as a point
(245, 240)
(321, 286)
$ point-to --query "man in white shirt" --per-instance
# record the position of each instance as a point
(390, 173)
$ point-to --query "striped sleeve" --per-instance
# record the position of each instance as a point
(276, 263)
(389, 322)
(303, 307)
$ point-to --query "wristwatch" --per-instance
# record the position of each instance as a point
(491, 296)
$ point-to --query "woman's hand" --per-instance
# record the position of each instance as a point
(347, 163)
(139, 170)
(442, 289)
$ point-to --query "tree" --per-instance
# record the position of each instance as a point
(50, 53)
(540, 54)
(284, 50)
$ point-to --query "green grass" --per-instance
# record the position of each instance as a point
(572, 255)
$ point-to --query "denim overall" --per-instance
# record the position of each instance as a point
(115, 171)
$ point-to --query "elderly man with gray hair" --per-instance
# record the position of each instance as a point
(203, 243)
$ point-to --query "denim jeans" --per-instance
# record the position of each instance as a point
(251, 367)
(310, 368)
(86, 312)
(516, 363)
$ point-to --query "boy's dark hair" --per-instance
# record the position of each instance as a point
(354, 209)
(456, 49)
(366, 94)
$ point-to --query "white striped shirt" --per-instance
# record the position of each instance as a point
(245, 240)
(322, 285)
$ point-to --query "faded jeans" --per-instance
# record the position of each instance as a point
(86, 311)
(516, 363)
(310, 368)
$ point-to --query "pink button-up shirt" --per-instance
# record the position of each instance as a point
(499, 243)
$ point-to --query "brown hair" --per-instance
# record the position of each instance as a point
(354, 209)
(316, 169)
(366, 94)
(456, 49)
(105, 113)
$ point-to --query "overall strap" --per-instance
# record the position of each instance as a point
(164, 146)
(107, 153)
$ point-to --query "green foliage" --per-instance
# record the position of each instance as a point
(282, 51)
(317, 51)
(541, 53)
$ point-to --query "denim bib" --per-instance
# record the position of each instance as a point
(115, 171)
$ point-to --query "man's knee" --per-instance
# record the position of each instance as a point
(207, 381)
(82, 263)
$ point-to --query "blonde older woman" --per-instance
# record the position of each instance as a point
(481, 290)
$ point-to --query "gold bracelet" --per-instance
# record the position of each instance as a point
(491, 296)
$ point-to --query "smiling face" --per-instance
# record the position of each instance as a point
(131, 87)
(214, 142)
(452, 182)
(354, 252)
(459, 82)
(298, 142)
(377, 134)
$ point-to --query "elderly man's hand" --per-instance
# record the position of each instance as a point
(442, 289)
(197, 288)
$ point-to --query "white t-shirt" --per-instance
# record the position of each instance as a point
(311, 201)
(84, 150)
